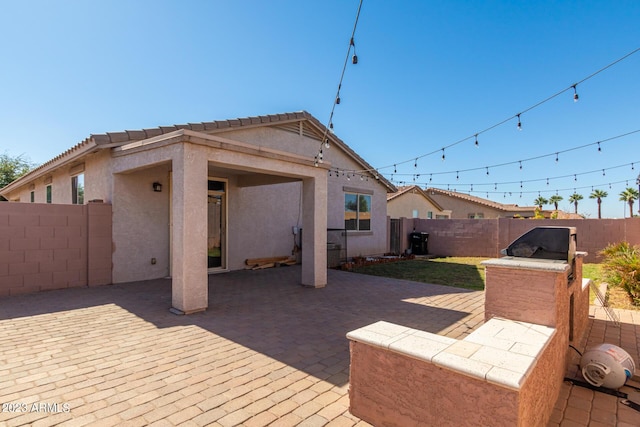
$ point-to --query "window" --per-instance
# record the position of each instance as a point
(33, 196)
(476, 216)
(48, 193)
(442, 217)
(429, 215)
(357, 211)
(416, 213)
(77, 189)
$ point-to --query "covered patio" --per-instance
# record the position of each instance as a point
(266, 351)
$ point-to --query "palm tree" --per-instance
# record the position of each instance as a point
(598, 195)
(629, 195)
(555, 199)
(540, 201)
(574, 198)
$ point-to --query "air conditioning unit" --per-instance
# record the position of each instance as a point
(607, 365)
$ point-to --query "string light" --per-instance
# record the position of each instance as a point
(549, 98)
(477, 145)
(575, 93)
(519, 123)
(443, 154)
(336, 100)
(556, 157)
(599, 148)
(354, 58)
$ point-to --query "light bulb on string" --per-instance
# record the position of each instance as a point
(520, 161)
(599, 148)
(519, 123)
(457, 176)
(394, 169)
(354, 58)
(603, 174)
(477, 144)
(487, 170)
(575, 93)
(443, 154)
(415, 163)
(556, 157)
(430, 177)
(326, 143)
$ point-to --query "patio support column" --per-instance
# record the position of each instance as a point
(314, 231)
(189, 240)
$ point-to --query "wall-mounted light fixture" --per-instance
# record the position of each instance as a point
(157, 187)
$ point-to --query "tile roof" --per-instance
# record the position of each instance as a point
(115, 139)
(408, 188)
(478, 200)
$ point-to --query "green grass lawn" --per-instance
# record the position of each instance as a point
(468, 273)
(461, 272)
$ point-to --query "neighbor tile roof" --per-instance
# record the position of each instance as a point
(479, 200)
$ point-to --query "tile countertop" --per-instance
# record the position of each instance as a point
(501, 351)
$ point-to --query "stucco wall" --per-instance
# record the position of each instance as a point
(403, 206)
(260, 221)
(45, 246)
(460, 209)
(141, 225)
(285, 200)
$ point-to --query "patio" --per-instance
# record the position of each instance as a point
(266, 352)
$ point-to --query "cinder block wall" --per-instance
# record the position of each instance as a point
(44, 246)
(486, 237)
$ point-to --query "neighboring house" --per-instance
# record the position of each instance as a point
(193, 199)
(413, 202)
(465, 206)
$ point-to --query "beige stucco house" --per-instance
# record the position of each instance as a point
(413, 202)
(195, 199)
(466, 206)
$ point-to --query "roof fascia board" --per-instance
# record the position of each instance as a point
(186, 135)
(70, 156)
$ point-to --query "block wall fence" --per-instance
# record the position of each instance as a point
(486, 237)
(44, 246)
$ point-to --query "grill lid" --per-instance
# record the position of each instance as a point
(544, 243)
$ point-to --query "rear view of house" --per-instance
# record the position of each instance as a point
(190, 200)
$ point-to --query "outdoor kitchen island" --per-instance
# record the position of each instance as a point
(507, 372)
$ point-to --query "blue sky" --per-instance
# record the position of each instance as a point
(430, 73)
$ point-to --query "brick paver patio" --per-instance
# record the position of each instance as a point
(266, 352)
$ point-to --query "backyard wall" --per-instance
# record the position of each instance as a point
(45, 246)
(486, 237)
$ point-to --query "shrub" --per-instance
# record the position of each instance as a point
(621, 267)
